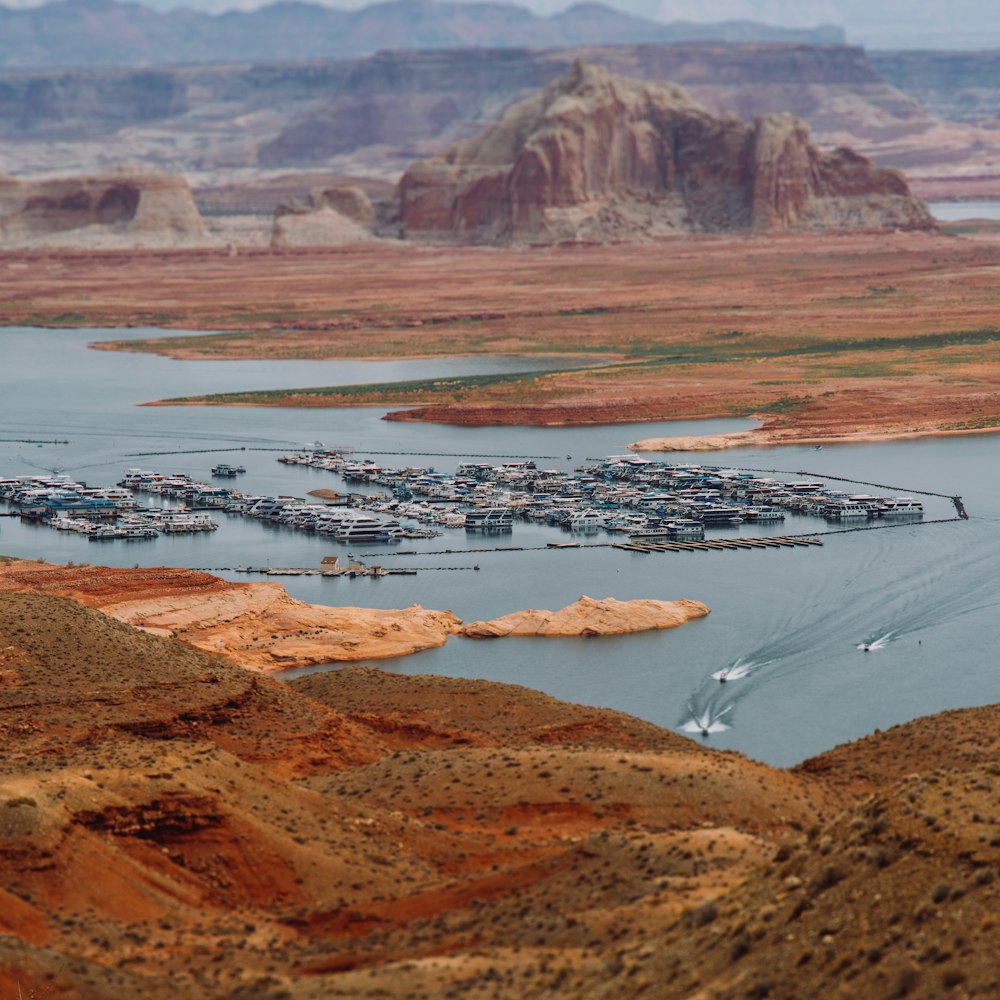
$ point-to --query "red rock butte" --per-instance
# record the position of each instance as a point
(601, 157)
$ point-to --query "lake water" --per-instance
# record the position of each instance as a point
(956, 211)
(794, 618)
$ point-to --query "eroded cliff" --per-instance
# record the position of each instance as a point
(600, 157)
(140, 207)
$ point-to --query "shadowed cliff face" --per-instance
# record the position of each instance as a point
(403, 97)
(600, 157)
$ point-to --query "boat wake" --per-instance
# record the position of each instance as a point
(735, 671)
(875, 642)
(807, 635)
(935, 600)
(706, 721)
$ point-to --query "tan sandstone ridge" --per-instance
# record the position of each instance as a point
(589, 617)
(601, 157)
(260, 626)
(127, 207)
(255, 624)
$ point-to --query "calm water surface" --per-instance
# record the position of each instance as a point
(956, 211)
(792, 618)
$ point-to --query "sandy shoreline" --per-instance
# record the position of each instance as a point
(764, 438)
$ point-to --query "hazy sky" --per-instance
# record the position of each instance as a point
(875, 23)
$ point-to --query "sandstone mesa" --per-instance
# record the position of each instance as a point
(589, 617)
(123, 208)
(598, 157)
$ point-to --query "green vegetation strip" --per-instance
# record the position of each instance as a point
(385, 392)
(974, 424)
(660, 353)
(654, 356)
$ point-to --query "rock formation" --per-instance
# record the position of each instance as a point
(600, 157)
(257, 625)
(588, 617)
(330, 217)
(139, 207)
(260, 626)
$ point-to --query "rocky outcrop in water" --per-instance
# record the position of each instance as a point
(589, 617)
(146, 208)
(600, 157)
(260, 626)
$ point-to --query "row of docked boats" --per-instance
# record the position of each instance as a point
(630, 495)
(100, 513)
(626, 493)
(343, 522)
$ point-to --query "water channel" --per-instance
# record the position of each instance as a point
(958, 211)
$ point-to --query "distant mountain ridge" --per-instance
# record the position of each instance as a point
(960, 86)
(81, 33)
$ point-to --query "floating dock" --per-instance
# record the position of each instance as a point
(763, 542)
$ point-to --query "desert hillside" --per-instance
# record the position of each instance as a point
(174, 824)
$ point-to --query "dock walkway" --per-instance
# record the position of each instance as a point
(720, 544)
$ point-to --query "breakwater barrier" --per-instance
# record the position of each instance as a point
(199, 451)
(499, 548)
(748, 543)
(30, 441)
(351, 571)
(460, 454)
(359, 451)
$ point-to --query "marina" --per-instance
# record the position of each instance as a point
(797, 613)
(660, 506)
